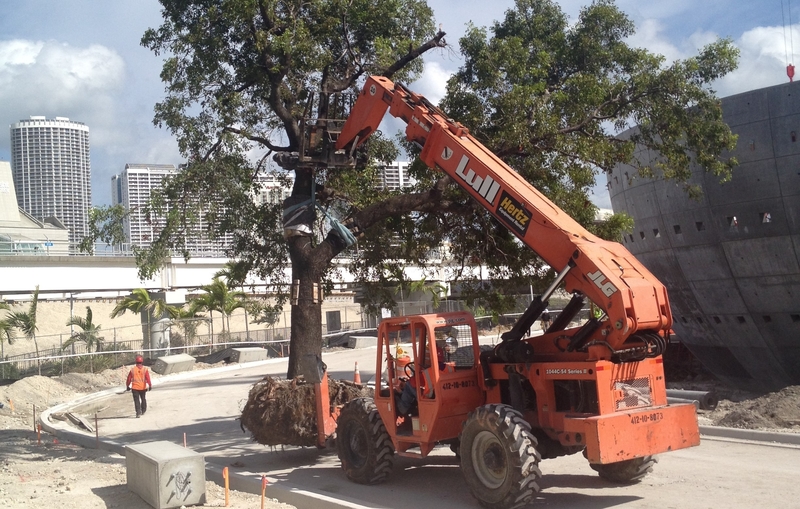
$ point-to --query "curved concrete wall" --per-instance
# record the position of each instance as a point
(731, 260)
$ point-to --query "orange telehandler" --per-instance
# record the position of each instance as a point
(596, 388)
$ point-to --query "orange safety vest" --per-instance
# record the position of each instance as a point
(138, 383)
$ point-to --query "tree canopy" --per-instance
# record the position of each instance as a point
(245, 77)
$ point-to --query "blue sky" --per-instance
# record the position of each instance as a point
(82, 59)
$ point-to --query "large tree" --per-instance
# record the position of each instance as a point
(245, 78)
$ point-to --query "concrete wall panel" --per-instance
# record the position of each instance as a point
(700, 263)
(751, 181)
(719, 296)
(745, 108)
(761, 257)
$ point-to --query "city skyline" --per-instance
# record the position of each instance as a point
(82, 59)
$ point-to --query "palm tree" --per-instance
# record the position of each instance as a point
(235, 274)
(140, 302)
(189, 321)
(6, 334)
(89, 334)
(436, 290)
(218, 297)
(25, 321)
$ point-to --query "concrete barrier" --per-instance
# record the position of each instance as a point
(166, 475)
(173, 364)
(362, 341)
(248, 354)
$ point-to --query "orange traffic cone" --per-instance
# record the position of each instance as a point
(357, 375)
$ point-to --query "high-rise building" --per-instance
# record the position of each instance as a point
(52, 171)
(132, 189)
(395, 176)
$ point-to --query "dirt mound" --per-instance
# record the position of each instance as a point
(774, 410)
(283, 412)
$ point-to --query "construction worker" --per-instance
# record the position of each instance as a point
(547, 321)
(408, 395)
(138, 382)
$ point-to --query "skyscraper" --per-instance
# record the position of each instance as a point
(132, 189)
(52, 172)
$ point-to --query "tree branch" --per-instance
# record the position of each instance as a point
(257, 139)
(436, 42)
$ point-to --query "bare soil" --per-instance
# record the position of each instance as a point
(41, 471)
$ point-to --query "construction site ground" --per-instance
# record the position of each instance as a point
(71, 468)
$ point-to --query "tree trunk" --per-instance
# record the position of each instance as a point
(306, 326)
(38, 360)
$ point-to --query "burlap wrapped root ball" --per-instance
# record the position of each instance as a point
(283, 412)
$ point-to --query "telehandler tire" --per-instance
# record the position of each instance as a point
(363, 445)
(499, 459)
(624, 472)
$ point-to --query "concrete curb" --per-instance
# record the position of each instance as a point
(751, 434)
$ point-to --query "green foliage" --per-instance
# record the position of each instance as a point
(105, 225)
(188, 321)
(25, 321)
(7, 333)
(89, 332)
(218, 297)
(140, 302)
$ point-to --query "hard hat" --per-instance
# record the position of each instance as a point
(139, 359)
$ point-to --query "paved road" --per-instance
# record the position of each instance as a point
(205, 405)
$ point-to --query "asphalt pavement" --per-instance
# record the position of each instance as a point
(201, 409)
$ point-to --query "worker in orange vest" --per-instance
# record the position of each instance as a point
(138, 382)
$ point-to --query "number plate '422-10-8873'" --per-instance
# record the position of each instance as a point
(646, 418)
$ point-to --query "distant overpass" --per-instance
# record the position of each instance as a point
(64, 277)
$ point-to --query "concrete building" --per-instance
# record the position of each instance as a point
(731, 260)
(21, 233)
(272, 189)
(395, 176)
(132, 189)
(52, 171)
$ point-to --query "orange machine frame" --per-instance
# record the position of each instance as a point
(609, 435)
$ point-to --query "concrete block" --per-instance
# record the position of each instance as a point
(248, 354)
(362, 341)
(166, 475)
(173, 364)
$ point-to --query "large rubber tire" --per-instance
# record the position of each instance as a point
(364, 446)
(625, 472)
(499, 459)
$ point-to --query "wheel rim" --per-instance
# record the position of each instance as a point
(356, 439)
(488, 460)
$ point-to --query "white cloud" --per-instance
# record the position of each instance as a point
(55, 79)
(650, 34)
(762, 62)
(433, 82)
